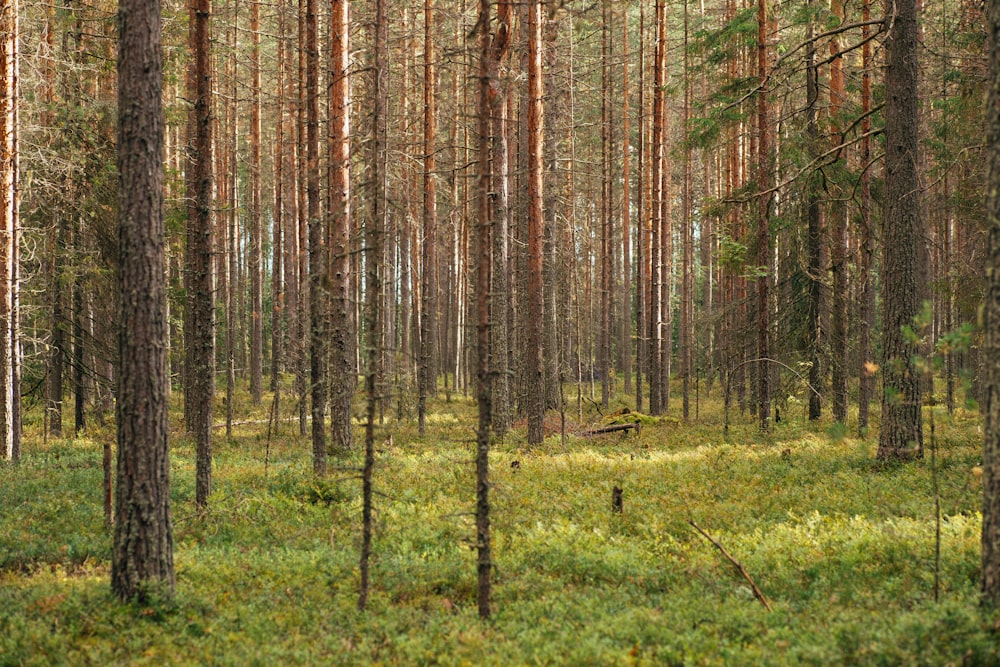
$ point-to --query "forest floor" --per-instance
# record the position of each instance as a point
(842, 547)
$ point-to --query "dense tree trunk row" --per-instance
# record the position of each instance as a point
(698, 161)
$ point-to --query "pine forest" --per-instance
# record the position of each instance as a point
(460, 332)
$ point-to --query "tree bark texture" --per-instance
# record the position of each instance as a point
(342, 376)
(375, 232)
(79, 326)
(687, 244)
(606, 215)
(317, 246)
(256, 354)
(142, 556)
(200, 302)
(866, 322)
(427, 381)
(57, 344)
(901, 436)
(535, 379)
(484, 563)
(9, 220)
(499, 210)
(838, 238)
(765, 178)
(814, 214)
(626, 337)
(655, 311)
(991, 324)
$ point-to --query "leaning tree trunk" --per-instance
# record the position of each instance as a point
(901, 436)
(142, 558)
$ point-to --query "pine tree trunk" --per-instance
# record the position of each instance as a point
(10, 394)
(279, 318)
(607, 180)
(374, 235)
(289, 198)
(551, 210)
(838, 240)
(814, 215)
(142, 557)
(317, 247)
(500, 301)
(304, 337)
(866, 382)
(200, 300)
(666, 271)
(256, 352)
(625, 341)
(901, 436)
(484, 563)
(232, 176)
(79, 364)
(991, 324)
(656, 388)
(427, 383)
(57, 344)
(403, 249)
(687, 236)
(764, 180)
(642, 227)
(534, 370)
(342, 375)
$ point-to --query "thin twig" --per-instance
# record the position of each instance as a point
(271, 421)
(739, 566)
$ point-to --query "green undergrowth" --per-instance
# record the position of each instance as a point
(842, 548)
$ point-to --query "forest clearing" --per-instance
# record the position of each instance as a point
(842, 547)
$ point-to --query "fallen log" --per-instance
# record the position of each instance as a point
(610, 429)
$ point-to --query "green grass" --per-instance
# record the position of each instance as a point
(842, 547)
